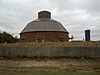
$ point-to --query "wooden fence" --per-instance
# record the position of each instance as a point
(49, 51)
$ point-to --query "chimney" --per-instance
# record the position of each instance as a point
(44, 15)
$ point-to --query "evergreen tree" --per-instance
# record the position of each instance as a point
(6, 37)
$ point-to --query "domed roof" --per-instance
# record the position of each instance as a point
(44, 24)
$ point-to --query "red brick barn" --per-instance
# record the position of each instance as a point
(44, 29)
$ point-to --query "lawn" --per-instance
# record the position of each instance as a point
(61, 66)
(51, 73)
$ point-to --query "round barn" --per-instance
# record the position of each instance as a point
(44, 29)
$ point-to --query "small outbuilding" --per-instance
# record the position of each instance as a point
(44, 29)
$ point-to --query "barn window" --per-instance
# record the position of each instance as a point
(39, 39)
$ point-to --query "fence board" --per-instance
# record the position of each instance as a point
(49, 51)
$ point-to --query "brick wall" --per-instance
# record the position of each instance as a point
(47, 36)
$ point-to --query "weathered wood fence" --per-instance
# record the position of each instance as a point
(35, 51)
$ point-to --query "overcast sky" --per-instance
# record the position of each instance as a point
(75, 15)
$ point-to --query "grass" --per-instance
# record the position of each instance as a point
(67, 67)
(63, 66)
(54, 44)
(62, 73)
(32, 72)
(51, 73)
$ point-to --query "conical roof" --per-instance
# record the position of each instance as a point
(44, 23)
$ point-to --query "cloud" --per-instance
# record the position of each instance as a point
(75, 15)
